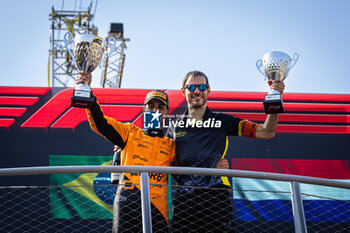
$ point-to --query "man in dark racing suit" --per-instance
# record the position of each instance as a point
(204, 203)
(140, 147)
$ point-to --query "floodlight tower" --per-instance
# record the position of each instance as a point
(113, 66)
(61, 70)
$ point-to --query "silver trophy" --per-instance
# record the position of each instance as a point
(276, 67)
(88, 54)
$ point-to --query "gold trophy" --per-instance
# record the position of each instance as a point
(88, 54)
(276, 67)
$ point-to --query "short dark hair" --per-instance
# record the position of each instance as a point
(194, 74)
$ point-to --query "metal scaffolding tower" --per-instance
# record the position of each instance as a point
(61, 70)
(112, 71)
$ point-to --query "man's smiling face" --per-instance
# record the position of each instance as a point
(196, 98)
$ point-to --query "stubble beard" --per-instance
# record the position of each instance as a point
(197, 105)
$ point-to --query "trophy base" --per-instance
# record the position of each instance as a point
(82, 99)
(273, 104)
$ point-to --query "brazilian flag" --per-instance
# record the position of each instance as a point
(84, 195)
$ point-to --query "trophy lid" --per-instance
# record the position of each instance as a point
(83, 38)
(276, 56)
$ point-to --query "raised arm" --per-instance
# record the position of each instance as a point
(108, 127)
(268, 129)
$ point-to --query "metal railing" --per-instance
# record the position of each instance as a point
(300, 221)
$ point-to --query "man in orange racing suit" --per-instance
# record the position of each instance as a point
(143, 147)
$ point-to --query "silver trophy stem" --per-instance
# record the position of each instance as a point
(83, 87)
(274, 92)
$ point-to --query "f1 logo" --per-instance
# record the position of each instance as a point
(151, 120)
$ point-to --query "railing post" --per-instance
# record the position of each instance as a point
(298, 209)
(146, 204)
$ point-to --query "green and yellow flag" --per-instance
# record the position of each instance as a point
(84, 195)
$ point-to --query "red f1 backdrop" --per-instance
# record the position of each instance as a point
(39, 128)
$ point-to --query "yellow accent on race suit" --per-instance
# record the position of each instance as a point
(224, 178)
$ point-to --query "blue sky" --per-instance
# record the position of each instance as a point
(169, 38)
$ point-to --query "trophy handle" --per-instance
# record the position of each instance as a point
(259, 65)
(295, 59)
(112, 47)
(67, 41)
